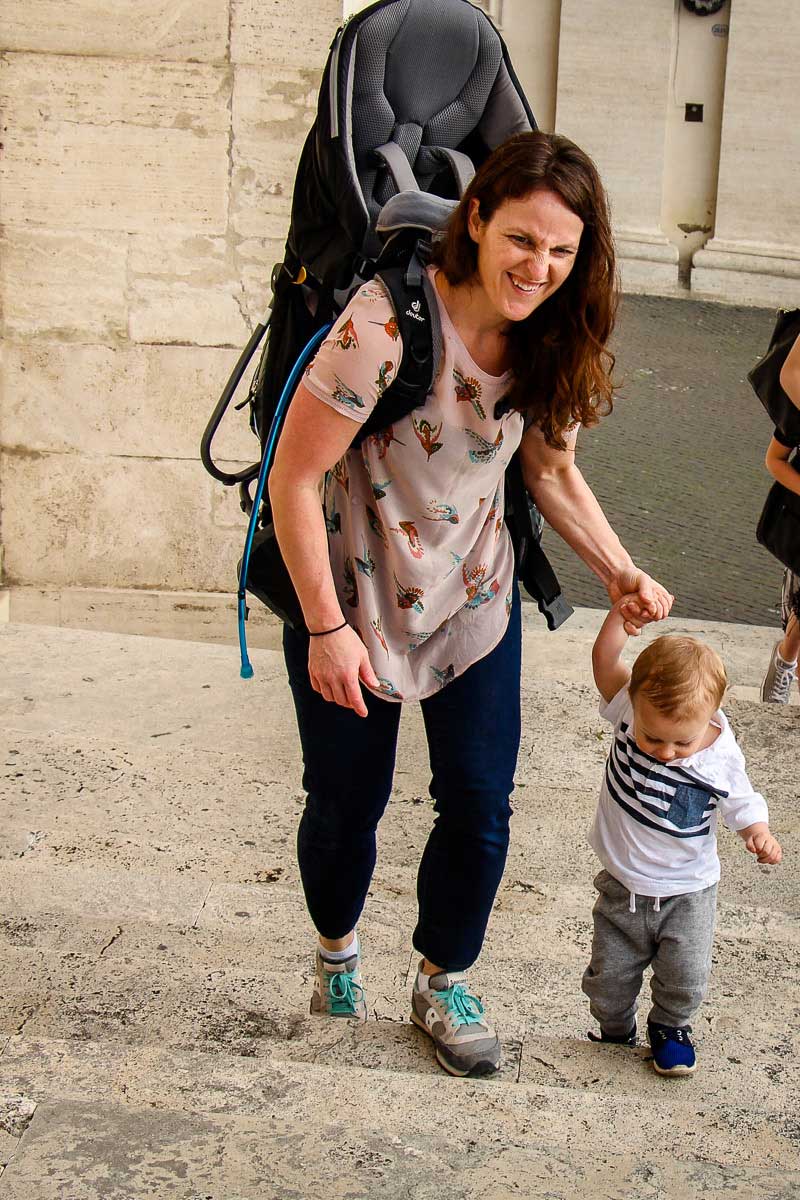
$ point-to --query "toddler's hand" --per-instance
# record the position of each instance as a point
(634, 615)
(766, 847)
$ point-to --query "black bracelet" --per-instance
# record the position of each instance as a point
(325, 632)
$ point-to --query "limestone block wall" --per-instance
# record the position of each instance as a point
(149, 155)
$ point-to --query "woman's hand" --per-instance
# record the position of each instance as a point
(336, 664)
(645, 599)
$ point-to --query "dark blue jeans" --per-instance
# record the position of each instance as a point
(473, 731)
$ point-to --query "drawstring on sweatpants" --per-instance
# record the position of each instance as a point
(632, 903)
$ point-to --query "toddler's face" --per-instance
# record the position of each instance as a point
(668, 736)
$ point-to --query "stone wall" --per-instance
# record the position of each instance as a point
(149, 156)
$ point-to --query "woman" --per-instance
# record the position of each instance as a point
(407, 580)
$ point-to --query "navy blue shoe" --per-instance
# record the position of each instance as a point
(673, 1049)
(615, 1039)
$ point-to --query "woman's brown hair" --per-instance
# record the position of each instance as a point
(561, 366)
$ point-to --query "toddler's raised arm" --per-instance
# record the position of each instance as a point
(610, 673)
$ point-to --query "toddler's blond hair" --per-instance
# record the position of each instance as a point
(679, 674)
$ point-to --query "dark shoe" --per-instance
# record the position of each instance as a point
(465, 1043)
(673, 1049)
(615, 1039)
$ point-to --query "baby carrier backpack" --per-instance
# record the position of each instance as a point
(415, 94)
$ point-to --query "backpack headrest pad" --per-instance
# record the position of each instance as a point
(423, 75)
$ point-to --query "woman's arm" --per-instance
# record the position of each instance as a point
(790, 374)
(314, 438)
(779, 467)
(569, 506)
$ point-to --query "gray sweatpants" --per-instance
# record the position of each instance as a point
(677, 940)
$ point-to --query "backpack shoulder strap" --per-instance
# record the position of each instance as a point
(532, 564)
(420, 330)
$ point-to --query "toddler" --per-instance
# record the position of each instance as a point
(673, 762)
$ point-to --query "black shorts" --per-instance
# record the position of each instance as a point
(790, 597)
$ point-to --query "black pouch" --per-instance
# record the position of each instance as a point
(765, 377)
(778, 527)
(269, 580)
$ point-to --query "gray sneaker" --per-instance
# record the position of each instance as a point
(778, 679)
(338, 990)
(465, 1043)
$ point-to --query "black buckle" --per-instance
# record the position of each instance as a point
(555, 611)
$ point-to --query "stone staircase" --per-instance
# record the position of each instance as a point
(155, 955)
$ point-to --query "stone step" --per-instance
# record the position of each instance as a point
(192, 812)
(124, 689)
(167, 1104)
(92, 954)
(147, 1150)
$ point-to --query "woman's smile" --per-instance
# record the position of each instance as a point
(522, 285)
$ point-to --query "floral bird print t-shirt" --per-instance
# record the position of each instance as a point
(421, 558)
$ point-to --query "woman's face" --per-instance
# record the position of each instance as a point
(525, 251)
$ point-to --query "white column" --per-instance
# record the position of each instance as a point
(613, 80)
(691, 152)
(754, 257)
(530, 30)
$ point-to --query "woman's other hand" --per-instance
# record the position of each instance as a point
(337, 664)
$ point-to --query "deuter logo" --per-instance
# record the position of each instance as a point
(414, 311)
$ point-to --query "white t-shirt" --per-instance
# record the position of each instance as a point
(655, 825)
(421, 557)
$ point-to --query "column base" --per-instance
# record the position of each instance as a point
(741, 273)
(648, 264)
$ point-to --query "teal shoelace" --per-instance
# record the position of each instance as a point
(343, 993)
(462, 1006)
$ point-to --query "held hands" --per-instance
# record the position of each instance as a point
(759, 841)
(336, 665)
(638, 599)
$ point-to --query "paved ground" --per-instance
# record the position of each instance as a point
(678, 466)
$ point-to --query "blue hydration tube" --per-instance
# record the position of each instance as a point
(246, 670)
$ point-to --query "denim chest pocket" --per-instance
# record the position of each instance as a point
(688, 805)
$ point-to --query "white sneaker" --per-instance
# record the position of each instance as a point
(778, 679)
